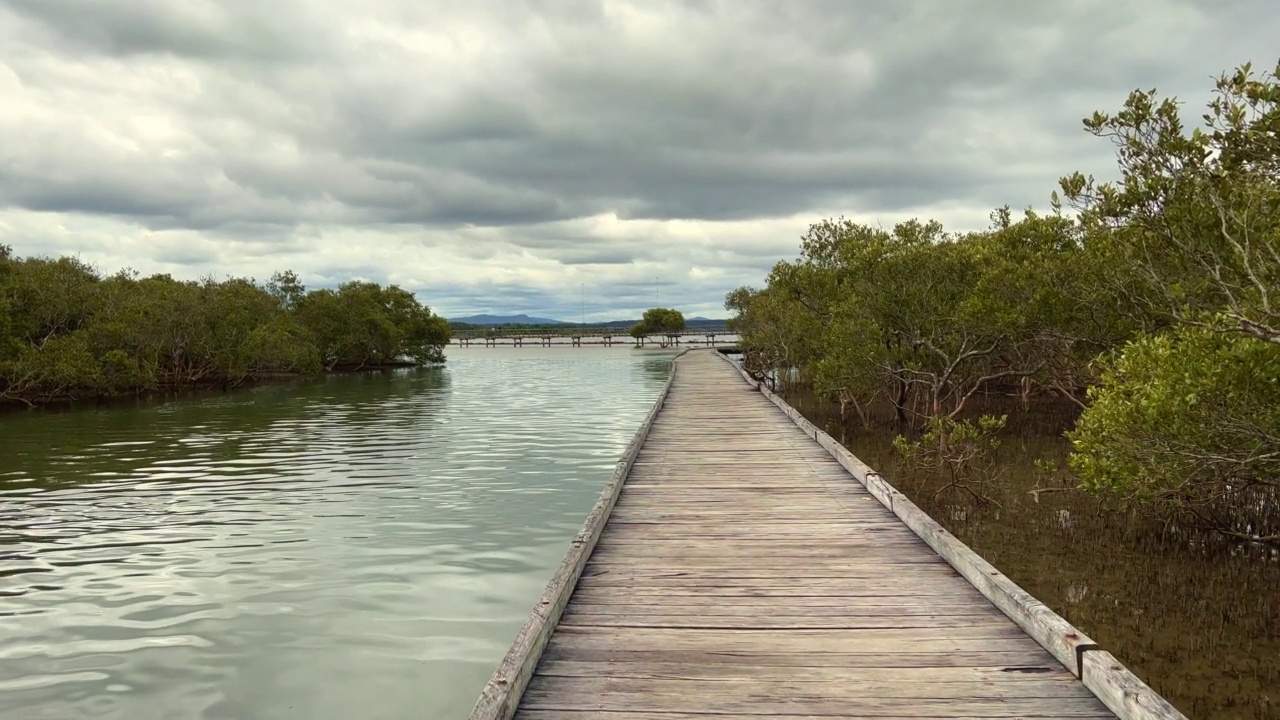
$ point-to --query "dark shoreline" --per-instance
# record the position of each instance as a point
(200, 390)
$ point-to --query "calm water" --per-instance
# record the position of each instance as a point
(355, 547)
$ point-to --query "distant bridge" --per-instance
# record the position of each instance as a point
(577, 335)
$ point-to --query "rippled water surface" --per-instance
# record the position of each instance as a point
(354, 547)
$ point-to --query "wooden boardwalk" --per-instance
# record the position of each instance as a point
(744, 572)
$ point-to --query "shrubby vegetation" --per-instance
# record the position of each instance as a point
(663, 322)
(68, 333)
(1154, 306)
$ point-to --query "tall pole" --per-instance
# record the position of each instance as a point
(584, 304)
(655, 291)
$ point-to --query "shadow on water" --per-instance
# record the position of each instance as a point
(74, 446)
(354, 546)
(1196, 618)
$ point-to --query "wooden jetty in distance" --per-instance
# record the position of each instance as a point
(537, 340)
(578, 336)
(742, 563)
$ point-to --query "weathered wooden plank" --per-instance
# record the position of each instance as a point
(602, 576)
(745, 518)
(778, 506)
(892, 537)
(737, 704)
(799, 559)
(755, 488)
(869, 537)
(765, 510)
(893, 548)
(799, 640)
(678, 536)
(673, 556)
(660, 477)
(899, 548)
(773, 621)
(643, 492)
(717, 451)
(736, 594)
(809, 607)
(731, 493)
(920, 675)
(781, 454)
(1030, 660)
(758, 474)
(676, 436)
(640, 715)
(882, 715)
(812, 606)
(718, 465)
(895, 554)
(776, 563)
(739, 523)
(817, 697)
(855, 529)
(782, 581)
(755, 493)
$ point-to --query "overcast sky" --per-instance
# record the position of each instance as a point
(505, 155)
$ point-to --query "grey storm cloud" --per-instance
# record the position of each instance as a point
(424, 141)
(201, 29)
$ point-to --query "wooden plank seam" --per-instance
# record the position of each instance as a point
(1109, 680)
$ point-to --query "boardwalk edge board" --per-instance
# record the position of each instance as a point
(1115, 685)
(501, 696)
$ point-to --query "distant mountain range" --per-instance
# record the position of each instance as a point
(493, 320)
(505, 320)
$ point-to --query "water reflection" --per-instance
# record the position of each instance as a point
(361, 546)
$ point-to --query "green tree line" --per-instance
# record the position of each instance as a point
(1152, 302)
(68, 333)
